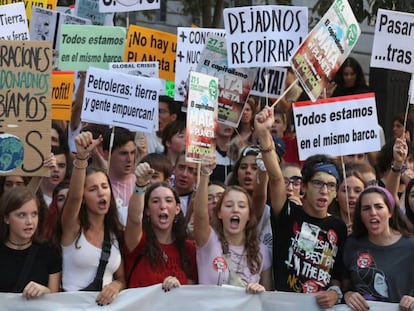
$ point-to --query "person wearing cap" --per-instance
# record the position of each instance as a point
(378, 256)
(307, 241)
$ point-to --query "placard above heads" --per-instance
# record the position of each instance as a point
(337, 126)
(13, 22)
(201, 117)
(320, 56)
(25, 73)
(234, 84)
(146, 44)
(128, 5)
(63, 84)
(260, 36)
(46, 24)
(82, 46)
(121, 100)
(190, 44)
(275, 77)
(393, 46)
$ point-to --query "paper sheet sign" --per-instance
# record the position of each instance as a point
(337, 126)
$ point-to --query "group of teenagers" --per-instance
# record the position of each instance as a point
(220, 240)
(272, 225)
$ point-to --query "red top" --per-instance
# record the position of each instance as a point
(145, 275)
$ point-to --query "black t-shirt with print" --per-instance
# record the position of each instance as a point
(307, 251)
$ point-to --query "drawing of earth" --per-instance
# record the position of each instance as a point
(11, 153)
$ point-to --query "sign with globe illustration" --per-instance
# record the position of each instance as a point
(25, 107)
(11, 153)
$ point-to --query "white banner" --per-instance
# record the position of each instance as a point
(276, 77)
(260, 36)
(337, 126)
(142, 69)
(120, 100)
(184, 298)
(107, 6)
(13, 22)
(190, 44)
(393, 46)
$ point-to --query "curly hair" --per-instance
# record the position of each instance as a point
(152, 248)
(111, 220)
(251, 241)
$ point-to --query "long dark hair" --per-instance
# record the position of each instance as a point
(356, 67)
(13, 200)
(152, 249)
(251, 243)
(408, 211)
(398, 221)
(111, 220)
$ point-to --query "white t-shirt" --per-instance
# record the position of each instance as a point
(213, 269)
(80, 264)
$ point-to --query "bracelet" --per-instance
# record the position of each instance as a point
(81, 159)
(397, 169)
(206, 174)
(267, 149)
(142, 186)
(140, 190)
(338, 291)
(83, 163)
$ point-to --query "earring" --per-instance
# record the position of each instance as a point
(176, 219)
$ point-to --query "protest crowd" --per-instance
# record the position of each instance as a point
(212, 184)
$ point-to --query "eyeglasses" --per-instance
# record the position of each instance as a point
(214, 197)
(296, 181)
(318, 184)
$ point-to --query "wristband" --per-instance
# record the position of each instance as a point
(140, 190)
(338, 291)
(397, 169)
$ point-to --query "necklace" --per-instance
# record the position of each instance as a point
(164, 256)
(19, 245)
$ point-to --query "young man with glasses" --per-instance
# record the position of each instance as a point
(307, 241)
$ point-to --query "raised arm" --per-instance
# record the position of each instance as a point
(259, 196)
(399, 154)
(133, 229)
(202, 227)
(262, 124)
(70, 224)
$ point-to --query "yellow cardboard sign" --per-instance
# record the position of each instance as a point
(146, 44)
(62, 93)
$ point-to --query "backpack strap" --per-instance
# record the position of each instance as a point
(103, 261)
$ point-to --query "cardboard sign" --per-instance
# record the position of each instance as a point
(128, 5)
(276, 77)
(260, 36)
(201, 117)
(120, 100)
(146, 45)
(89, 9)
(320, 56)
(190, 44)
(25, 72)
(82, 46)
(234, 84)
(337, 126)
(13, 22)
(62, 93)
(46, 24)
(393, 46)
